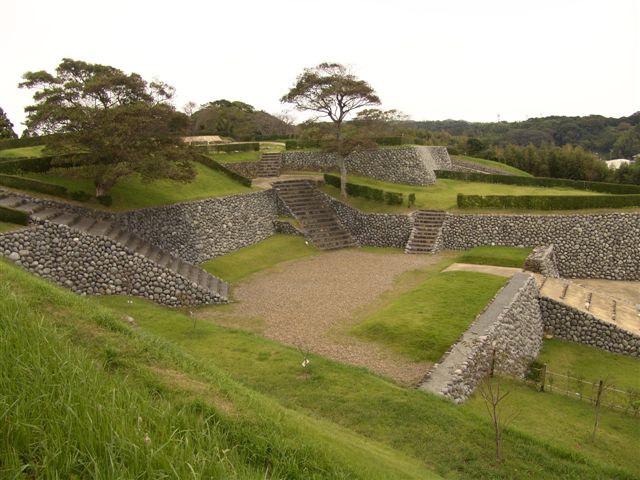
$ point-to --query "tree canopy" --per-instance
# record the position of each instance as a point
(120, 122)
(6, 127)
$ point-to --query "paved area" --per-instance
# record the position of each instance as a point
(469, 267)
(312, 303)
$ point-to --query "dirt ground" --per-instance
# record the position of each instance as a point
(312, 304)
(628, 292)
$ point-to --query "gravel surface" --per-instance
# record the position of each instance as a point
(311, 303)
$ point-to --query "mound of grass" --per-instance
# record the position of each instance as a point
(442, 195)
(456, 442)
(237, 265)
(507, 169)
(131, 192)
(234, 157)
(22, 152)
(592, 364)
(498, 256)
(83, 396)
(424, 322)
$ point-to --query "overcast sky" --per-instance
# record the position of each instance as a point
(461, 59)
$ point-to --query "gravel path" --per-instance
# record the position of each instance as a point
(310, 303)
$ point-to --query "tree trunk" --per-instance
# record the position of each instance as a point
(343, 176)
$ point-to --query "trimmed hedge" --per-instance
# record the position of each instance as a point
(38, 164)
(10, 215)
(384, 141)
(212, 164)
(235, 147)
(601, 187)
(34, 185)
(370, 193)
(547, 202)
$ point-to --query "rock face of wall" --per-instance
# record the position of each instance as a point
(577, 326)
(511, 326)
(543, 261)
(586, 246)
(246, 169)
(197, 231)
(69, 207)
(98, 266)
(374, 229)
(410, 165)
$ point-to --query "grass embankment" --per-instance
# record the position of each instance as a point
(131, 192)
(442, 195)
(498, 256)
(22, 152)
(83, 396)
(424, 322)
(456, 442)
(507, 169)
(7, 227)
(235, 266)
(235, 157)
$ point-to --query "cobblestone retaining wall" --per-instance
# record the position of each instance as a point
(586, 246)
(511, 326)
(543, 261)
(197, 231)
(98, 266)
(565, 322)
(410, 165)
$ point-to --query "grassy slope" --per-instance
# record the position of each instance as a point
(22, 152)
(272, 251)
(79, 393)
(234, 157)
(499, 256)
(6, 227)
(455, 441)
(131, 192)
(591, 363)
(443, 194)
(424, 322)
(507, 169)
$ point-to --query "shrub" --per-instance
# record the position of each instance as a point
(105, 200)
(393, 198)
(33, 185)
(411, 201)
(370, 193)
(212, 164)
(547, 202)
(601, 187)
(13, 216)
(80, 196)
(236, 147)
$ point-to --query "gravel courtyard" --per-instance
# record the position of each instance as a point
(312, 304)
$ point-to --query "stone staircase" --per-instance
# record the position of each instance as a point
(427, 225)
(318, 220)
(269, 165)
(103, 228)
(610, 310)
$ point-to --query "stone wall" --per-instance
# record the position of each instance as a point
(246, 169)
(563, 321)
(373, 229)
(586, 246)
(511, 326)
(410, 165)
(63, 205)
(98, 266)
(197, 231)
(543, 261)
(286, 228)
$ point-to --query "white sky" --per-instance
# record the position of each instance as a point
(462, 59)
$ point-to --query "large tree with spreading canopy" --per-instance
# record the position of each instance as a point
(121, 123)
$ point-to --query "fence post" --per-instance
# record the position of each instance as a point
(598, 398)
(493, 362)
(543, 376)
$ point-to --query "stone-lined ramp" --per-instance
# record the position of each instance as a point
(312, 304)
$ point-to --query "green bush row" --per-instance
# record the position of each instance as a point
(601, 187)
(548, 202)
(209, 162)
(10, 215)
(235, 147)
(22, 142)
(370, 193)
(38, 164)
(43, 187)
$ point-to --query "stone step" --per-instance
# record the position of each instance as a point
(164, 260)
(11, 201)
(84, 223)
(29, 207)
(100, 228)
(66, 219)
(145, 249)
(132, 242)
(47, 214)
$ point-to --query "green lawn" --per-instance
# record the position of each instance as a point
(498, 256)
(7, 227)
(507, 169)
(84, 396)
(131, 192)
(442, 195)
(234, 157)
(454, 441)
(235, 266)
(424, 322)
(22, 152)
(592, 364)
